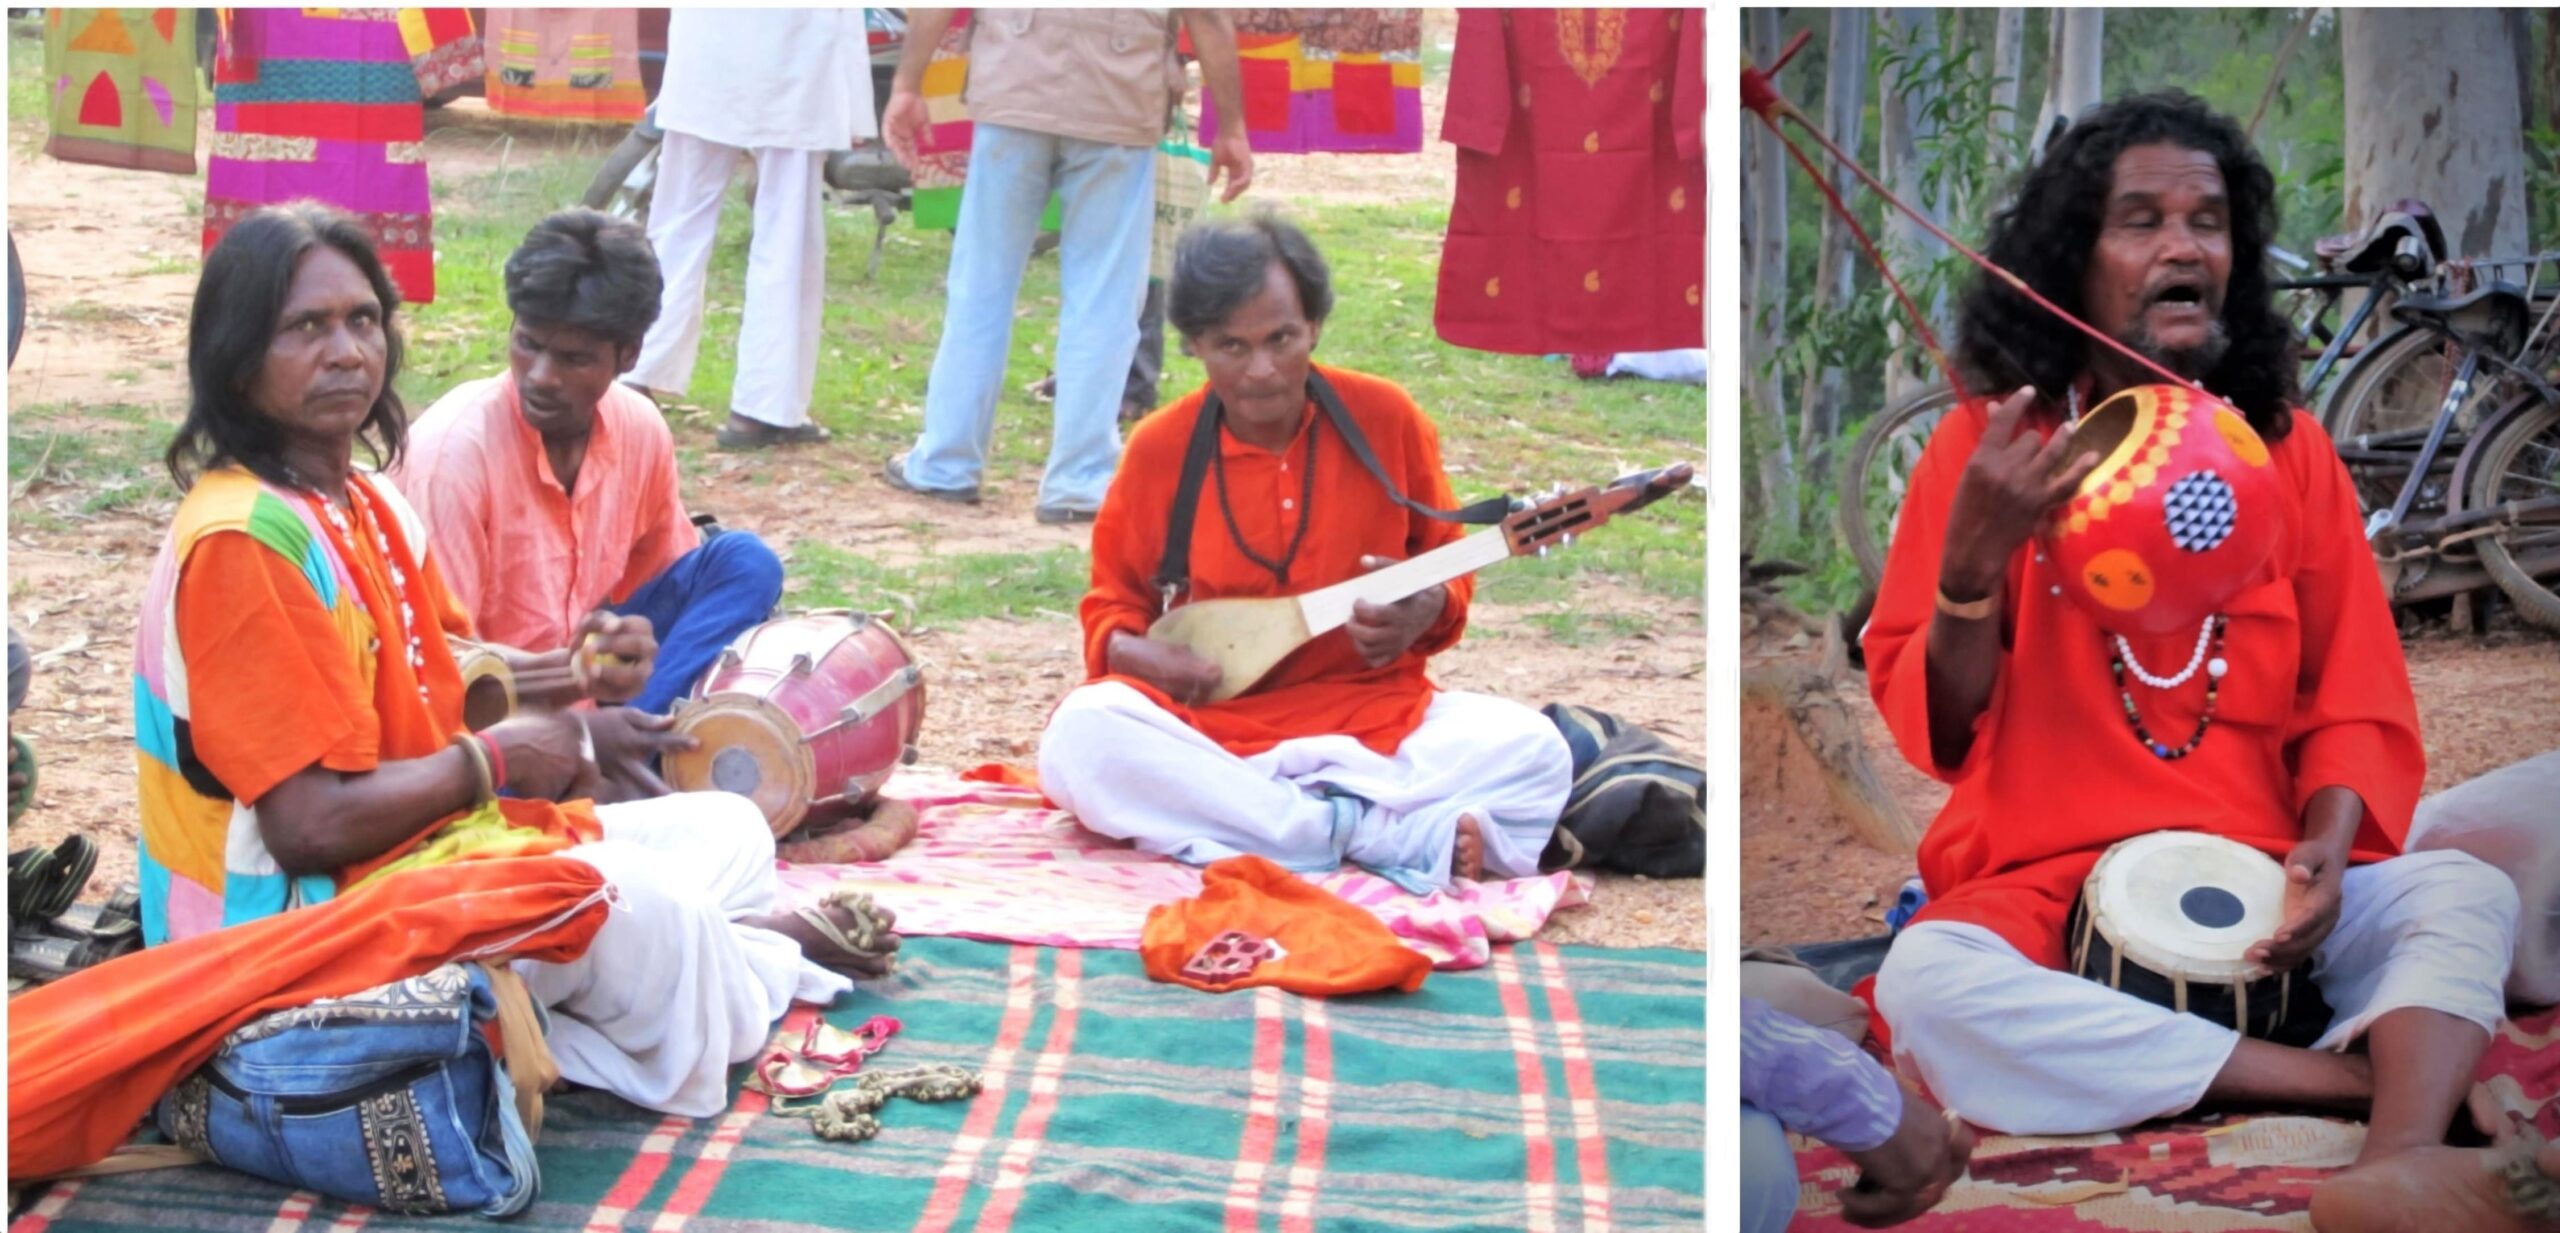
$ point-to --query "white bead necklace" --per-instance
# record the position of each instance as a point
(2204, 637)
(399, 591)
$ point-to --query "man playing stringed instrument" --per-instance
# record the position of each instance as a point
(2298, 737)
(1346, 751)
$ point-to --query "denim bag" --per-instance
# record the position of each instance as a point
(391, 1098)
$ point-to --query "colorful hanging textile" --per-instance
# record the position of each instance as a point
(124, 89)
(1580, 220)
(566, 64)
(326, 104)
(942, 149)
(1343, 81)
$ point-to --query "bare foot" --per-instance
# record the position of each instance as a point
(873, 964)
(2511, 1186)
(1468, 860)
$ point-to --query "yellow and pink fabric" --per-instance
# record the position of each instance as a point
(566, 64)
(1341, 81)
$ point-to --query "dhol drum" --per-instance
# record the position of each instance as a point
(803, 713)
(2170, 917)
(488, 684)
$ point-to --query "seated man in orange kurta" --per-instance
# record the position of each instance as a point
(1347, 752)
(2150, 219)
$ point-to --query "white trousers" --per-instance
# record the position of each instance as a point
(2025, 1049)
(674, 991)
(1132, 770)
(786, 275)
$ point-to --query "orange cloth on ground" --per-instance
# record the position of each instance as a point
(1333, 946)
(260, 646)
(90, 1054)
(2317, 696)
(527, 558)
(1326, 687)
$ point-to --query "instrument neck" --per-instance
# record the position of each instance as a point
(1330, 607)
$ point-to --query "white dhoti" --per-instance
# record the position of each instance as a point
(674, 990)
(786, 275)
(2025, 1049)
(1132, 770)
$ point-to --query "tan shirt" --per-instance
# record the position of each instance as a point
(1098, 74)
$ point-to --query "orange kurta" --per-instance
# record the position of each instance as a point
(1325, 688)
(2317, 696)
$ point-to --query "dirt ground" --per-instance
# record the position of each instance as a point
(2483, 701)
(89, 236)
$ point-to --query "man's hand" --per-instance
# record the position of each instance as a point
(545, 754)
(1911, 1171)
(1231, 154)
(619, 658)
(2314, 873)
(1380, 632)
(1182, 673)
(628, 746)
(2008, 486)
(901, 121)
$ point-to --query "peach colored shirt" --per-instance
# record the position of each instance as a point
(526, 558)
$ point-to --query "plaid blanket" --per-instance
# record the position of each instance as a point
(1554, 1089)
(2228, 1175)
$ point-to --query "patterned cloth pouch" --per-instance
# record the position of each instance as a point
(392, 1098)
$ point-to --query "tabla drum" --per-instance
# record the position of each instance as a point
(488, 684)
(2169, 917)
(802, 713)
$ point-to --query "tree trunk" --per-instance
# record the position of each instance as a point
(2431, 114)
(2008, 51)
(1903, 113)
(1765, 255)
(1809, 702)
(2075, 76)
(2551, 69)
(1844, 105)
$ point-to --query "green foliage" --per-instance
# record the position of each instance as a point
(943, 590)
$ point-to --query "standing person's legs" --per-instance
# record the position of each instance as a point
(700, 603)
(1109, 193)
(786, 291)
(684, 220)
(1010, 172)
(1146, 368)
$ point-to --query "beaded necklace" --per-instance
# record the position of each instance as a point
(2208, 656)
(397, 585)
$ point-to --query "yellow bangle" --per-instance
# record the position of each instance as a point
(479, 759)
(1972, 610)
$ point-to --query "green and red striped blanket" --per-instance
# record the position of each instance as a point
(1556, 1088)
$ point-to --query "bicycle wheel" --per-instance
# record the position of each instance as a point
(1879, 474)
(2517, 458)
(622, 185)
(2386, 402)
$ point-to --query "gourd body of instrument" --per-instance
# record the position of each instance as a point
(2176, 520)
(488, 684)
(802, 713)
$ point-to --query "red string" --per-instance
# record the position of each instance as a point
(1761, 97)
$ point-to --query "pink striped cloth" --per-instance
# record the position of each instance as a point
(998, 864)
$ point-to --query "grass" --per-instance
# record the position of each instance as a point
(1508, 423)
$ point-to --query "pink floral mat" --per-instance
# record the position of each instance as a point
(997, 863)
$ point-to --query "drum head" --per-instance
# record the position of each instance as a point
(2187, 904)
(749, 747)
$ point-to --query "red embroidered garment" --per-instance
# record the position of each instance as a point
(1580, 220)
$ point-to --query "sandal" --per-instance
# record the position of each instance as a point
(829, 1045)
(867, 929)
(43, 882)
(731, 437)
(40, 957)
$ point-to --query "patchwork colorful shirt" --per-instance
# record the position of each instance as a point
(272, 641)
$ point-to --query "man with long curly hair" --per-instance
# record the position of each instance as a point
(2150, 219)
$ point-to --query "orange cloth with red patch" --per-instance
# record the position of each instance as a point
(89, 1054)
(1330, 946)
(1324, 688)
(2317, 695)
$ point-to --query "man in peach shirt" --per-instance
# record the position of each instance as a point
(549, 491)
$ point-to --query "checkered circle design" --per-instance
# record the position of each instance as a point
(2200, 509)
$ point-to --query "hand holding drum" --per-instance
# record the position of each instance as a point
(2012, 481)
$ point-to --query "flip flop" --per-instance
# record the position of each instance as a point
(41, 957)
(74, 859)
(29, 870)
(764, 435)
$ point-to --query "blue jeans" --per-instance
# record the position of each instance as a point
(700, 604)
(1769, 1186)
(1108, 193)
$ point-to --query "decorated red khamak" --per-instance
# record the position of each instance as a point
(2180, 513)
